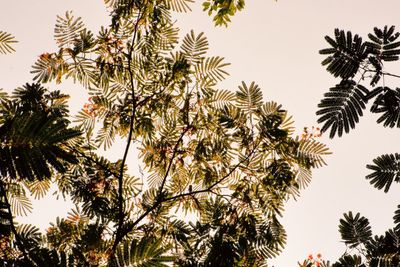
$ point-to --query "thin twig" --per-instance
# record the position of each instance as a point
(121, 214)
(208, 189)
(171, 161)
(159, 201)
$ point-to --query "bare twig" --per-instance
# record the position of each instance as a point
(121, 215)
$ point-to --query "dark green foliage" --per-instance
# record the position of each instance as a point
(355, 62)
(366, 250)
(384, 43)
(238, 238)
(33, 136)
(346, 54)
(342, 106)
(396, 218)
(361, 67)
(349, 261)
(388, 103)
(386, 170)
(355, 230)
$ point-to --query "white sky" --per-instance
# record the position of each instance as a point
(276, 45)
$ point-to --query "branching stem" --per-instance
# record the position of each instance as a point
(159, 201)
(121, 215)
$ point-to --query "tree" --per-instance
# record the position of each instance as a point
(226, 159)
(361, 67)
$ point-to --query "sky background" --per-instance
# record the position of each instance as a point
(276, 45)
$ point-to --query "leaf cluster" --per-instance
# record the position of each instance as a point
(369, 250)
(360, 66)
(225, 158)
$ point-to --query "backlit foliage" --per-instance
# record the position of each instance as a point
(360, 66)
(362, 69)
(216, 165)
(365, 249)
(6, 43)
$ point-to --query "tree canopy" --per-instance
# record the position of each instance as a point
(226, 160)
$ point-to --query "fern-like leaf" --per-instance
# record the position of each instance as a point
(49, 67)
(313, 151)
(355, 230)
(30, 235)
(271, 239)
(194, 47)
(38, 188)
(345, 54)
(146, 252)
(83, 71)
(212, 68)
(221, 98)
(67, 29)
(249, 98)
(303, 177)
(271, 107)
(387, 102)
(384, 43)
(32, 144)
(396, 218)
(349, 261)
(20, 203)
(179, 5)
(386, 169)
(6, 41)
(341, 108)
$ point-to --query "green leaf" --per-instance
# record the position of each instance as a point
(179, 5)
(387, 103)
(20, 204)
(6, 41)
(38, 188)
(346, 54)
(396, 218)
(194, 47)
(386, 169)
(67, 30)
(249, 98)
(342, 107)
(355, 230)
(221, 98)
(349, 261)
(146, 252)
(34, 140)
(211, 68)
(313, 151)
(384, 43)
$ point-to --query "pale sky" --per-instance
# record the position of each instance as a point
(276, 45)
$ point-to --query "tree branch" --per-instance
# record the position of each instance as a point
(121, 214)
(159, 201)
(208, 189)
(159, 195)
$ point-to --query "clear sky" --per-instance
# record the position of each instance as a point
(276, 45)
